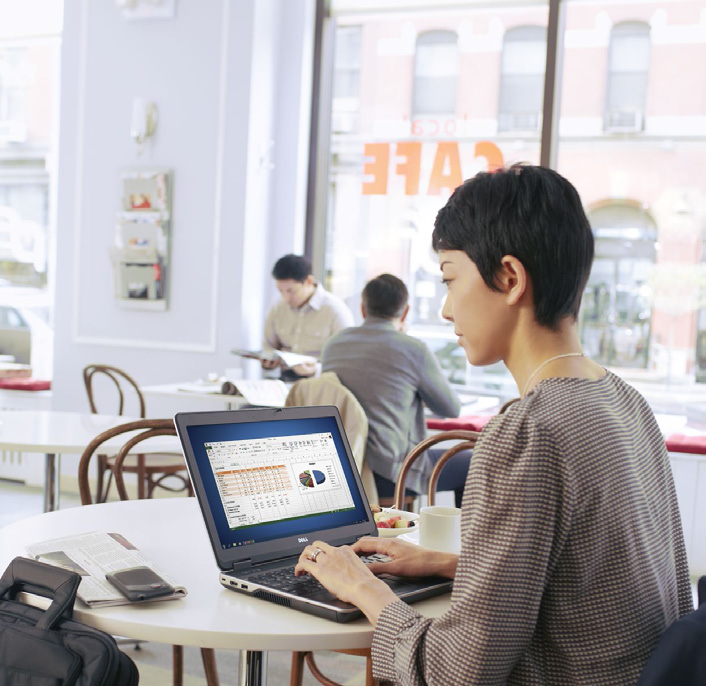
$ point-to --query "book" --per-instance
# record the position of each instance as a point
(93, 555)
(289, 359)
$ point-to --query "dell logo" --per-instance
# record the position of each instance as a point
(303, 539)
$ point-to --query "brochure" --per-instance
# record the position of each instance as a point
(93, 555)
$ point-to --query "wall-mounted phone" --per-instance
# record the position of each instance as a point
(143, 122)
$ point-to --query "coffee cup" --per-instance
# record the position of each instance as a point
(440, 528)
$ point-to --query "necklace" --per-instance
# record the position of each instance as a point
(544, 364)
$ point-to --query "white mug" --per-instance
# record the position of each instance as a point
(440, 528)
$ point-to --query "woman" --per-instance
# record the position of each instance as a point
(572, 561)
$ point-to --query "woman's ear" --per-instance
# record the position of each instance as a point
(512, 279)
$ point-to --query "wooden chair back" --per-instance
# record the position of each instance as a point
(467, 442)
(121, 381)
(147, 428)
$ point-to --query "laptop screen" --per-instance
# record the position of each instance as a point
(273, 479)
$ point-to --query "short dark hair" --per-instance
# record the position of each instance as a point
(533, 214)
(295, 267)
(385, 296)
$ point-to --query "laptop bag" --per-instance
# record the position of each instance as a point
(47, 647)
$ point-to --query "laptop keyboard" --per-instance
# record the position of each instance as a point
(303, 586)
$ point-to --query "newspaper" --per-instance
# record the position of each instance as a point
(261, 392)
(92, 555)
(289, 359)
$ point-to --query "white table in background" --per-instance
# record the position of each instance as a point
(171, 533)
(64, 433)
(220, 401)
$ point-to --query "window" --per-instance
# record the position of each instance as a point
(29, 59)
(522, 79)
(424, 122)
(628, 67)
(346, 80)
(644, 311)
(616, 311)
(435, 73)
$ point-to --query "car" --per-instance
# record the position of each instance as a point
(15, 335)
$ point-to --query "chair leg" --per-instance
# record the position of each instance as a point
(141, 477)
(369, 679)
(178, 665)
(297, 676)
(104, 495)
(208, 657)
(99, 478)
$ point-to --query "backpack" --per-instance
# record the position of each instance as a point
(48, 648)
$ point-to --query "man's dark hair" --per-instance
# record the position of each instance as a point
(533, 214)
(385, 296)
(295, 267)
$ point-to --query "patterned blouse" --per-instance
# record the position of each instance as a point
(572, 560)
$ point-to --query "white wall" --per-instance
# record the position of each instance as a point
(231, 80)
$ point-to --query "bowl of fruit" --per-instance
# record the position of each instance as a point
(391, 522)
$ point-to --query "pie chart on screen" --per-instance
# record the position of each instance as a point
(311, 478)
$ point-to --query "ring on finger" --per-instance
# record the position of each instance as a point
(315, 554)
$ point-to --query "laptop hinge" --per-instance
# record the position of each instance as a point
(243, 564)
(262, 563)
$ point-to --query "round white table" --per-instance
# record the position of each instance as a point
(67, 433)
(171, 533)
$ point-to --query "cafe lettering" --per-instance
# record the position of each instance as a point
(406, 158)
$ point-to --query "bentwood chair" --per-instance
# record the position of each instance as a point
(157, 470)
(138, 431)
(466, 440)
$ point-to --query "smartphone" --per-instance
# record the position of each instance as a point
(139, 583)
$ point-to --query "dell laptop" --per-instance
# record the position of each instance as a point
(271, 481)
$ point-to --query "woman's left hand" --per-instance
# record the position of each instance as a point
(341, 571)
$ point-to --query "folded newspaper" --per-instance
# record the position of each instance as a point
(93, 555)
(261, 392)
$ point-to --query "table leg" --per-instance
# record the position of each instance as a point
(253, 668)
(52, 469)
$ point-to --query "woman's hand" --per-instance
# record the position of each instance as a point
(407, 559)
(342, 572)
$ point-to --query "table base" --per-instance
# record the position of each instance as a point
(253, 668)
(52, 471)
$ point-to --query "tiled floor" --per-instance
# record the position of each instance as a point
(154, 659)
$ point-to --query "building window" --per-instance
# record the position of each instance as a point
(628, 67)
(616, 312)
(435, 74)
(346, 80)
(522, 79)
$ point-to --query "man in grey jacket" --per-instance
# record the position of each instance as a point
(393, 376)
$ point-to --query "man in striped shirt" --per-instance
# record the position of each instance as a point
(572, 561)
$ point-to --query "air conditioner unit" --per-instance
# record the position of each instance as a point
(528, 122)
(623, 121)
(344, 122)
(13, 131)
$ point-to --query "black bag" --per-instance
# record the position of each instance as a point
(48, 648)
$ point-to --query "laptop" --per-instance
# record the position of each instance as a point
(269, 482)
